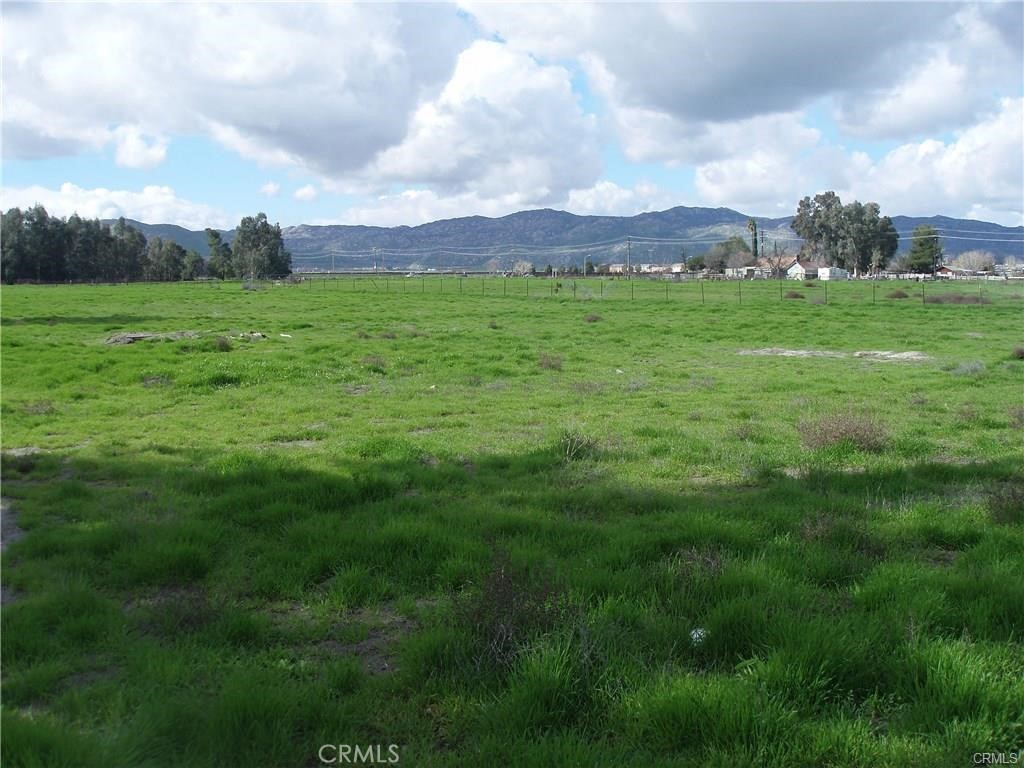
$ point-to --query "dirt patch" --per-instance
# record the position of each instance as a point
(883, 356)
(898, 357)
(780, 352)
(28, 450)
(376, 651)
(130, 337)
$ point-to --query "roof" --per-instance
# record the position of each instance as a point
(805, 264)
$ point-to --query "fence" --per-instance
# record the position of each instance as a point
(692, 291)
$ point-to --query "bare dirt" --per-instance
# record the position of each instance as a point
(881, 356)
(130, 337)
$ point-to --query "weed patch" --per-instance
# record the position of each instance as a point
(858, 431)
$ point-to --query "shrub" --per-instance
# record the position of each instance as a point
(860, 431)
(810, 284)
(222, 344)
(969, 368)
(573, 445)
(794, 295)
(957, 298)
(550, 362)
(592, 318)
(510, 611)
(898, 294)
(1017, 417)
(1006, 503)
(375, 363)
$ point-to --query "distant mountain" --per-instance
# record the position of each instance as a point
(559, 238)
(186, 238)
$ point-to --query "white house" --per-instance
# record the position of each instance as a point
(802, 270)
(616, 269)
(833, 273)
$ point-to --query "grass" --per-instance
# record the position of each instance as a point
(397, 525)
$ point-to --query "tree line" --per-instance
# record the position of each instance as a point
(38, 247)
(855, 237)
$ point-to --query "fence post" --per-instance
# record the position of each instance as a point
(922, 292)
(574, 289)
(632, 289)
(702, 291)
(504, 286)
(872, 291)
(739, 290)
(826, 292)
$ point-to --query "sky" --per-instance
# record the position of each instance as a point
(197, 114)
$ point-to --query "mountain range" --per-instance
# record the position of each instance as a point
(558, 238)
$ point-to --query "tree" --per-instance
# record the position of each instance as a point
(696, 263)
(752, 226)
(219, 263)
(819, 223)
(194, 266)
(165, 260)
(975, 260)
(926, 251)
(258, 249)
(854, 236)
(733, 252)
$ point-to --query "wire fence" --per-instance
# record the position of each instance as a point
(686, 291)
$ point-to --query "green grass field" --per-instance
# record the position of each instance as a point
(487, 527)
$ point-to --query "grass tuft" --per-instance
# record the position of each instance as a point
(549, 362)
(856, 430)
(898, 294)
(793, 295)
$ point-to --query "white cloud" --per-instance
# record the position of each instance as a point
(151, 205)
(305, 193)
(321, 86)
(137, 150)
(939, 90)
(270, 189)
(979, 173)
(606, 198)
(503, 123)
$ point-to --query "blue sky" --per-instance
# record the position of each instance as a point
(401, 114)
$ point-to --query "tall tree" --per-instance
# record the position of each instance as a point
(752, 226)
(194, 266)
(819, 222)
(219, 262)
(258, 249)
(926, 251)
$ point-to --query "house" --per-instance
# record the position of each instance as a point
(951, 273)
(616, 269)
(678, 268)
(833, 273)
(802, 270)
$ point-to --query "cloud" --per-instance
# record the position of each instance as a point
(940, 89)
(270, 189)
(325, 87)
(606, 198)
(305, 193)
(504, 122)
(979, 173)
(137, 150)
(151, 205)
(724, 61)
